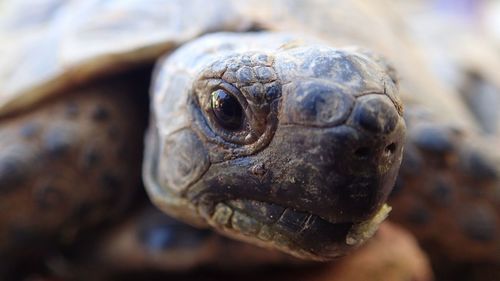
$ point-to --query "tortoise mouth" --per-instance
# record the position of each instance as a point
(301, 234)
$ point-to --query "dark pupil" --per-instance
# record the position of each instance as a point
(227, 109)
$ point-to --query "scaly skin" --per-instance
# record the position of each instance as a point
(68, 165)
(449, 180)
(374, 29)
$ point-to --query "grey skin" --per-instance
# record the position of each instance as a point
(308, 166)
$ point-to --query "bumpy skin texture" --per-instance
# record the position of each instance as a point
(63, 38)
(313, 161)
(58, 167)
(448, 180)
(447, 194)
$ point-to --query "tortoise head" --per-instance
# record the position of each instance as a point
(285, 144)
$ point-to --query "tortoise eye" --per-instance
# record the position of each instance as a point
(227, 110)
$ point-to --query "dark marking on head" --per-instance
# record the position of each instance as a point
(273, 91)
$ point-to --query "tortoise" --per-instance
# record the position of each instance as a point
(263, 126)
(232, 153)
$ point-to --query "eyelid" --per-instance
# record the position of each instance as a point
(240, 136)
(233, 91)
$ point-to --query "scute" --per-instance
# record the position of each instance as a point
(78, 40)
(185, 158)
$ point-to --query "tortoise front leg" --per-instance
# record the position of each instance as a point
(448, 191)
(68, 164)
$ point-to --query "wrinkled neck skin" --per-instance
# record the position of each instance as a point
(316, 155)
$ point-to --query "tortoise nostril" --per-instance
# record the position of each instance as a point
(365, 151)
(362, 152)
(390, 149)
